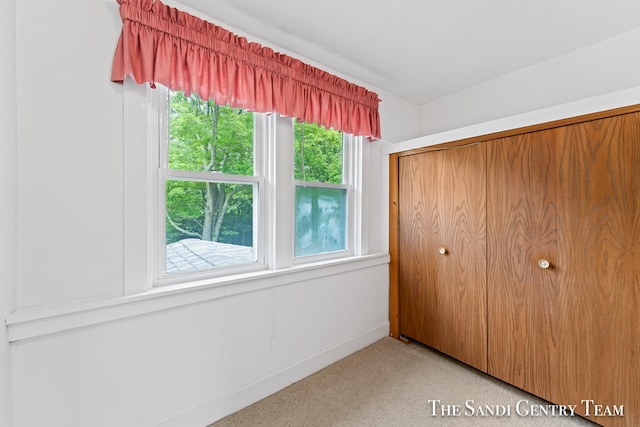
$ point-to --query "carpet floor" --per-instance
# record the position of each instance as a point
(392, 384)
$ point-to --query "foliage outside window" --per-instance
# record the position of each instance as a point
(211, 193)
(321, 197)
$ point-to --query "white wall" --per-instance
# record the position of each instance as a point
(596, 70)
(191, 365)
(83, 352)
(399, 120)
(8, 196)
(70, 127)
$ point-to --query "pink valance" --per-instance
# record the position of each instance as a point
(160, 44)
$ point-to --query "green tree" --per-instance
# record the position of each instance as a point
(205, 137)
(318, 152)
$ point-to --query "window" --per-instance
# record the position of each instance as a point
(209, 190)
(223, 194)
(321, 197)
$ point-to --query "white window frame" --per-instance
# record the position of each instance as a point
(351, 181)
(273, 179)
(160, 107)
(345, 185)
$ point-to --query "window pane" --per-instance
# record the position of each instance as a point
(206, 137)
(208, 225)
(318, 154)
(320, 220)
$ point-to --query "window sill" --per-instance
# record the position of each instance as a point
(36, 322)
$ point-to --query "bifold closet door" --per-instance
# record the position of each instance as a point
(442, 251)
(599, 266)
(417, 241)
(522, 262)
(563, 225)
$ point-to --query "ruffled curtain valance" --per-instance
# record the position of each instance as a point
(160, 44)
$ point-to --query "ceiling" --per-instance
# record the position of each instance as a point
(423, 50)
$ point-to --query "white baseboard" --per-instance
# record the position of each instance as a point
(233, 402)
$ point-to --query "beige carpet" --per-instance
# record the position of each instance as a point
(390, 384)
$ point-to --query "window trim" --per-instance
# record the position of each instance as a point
(273, 173)
(352, 158)
(159, 108)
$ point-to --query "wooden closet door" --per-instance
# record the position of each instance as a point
(417, 244)
(599, 265)
(442, 207)
(522, 294)
(462, 297)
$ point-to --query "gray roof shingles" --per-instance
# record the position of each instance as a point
(195, 254)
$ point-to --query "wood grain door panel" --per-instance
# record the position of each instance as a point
(442, 297)
(522, 296)
(418, 234)
(599, 264)
(462, 269)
